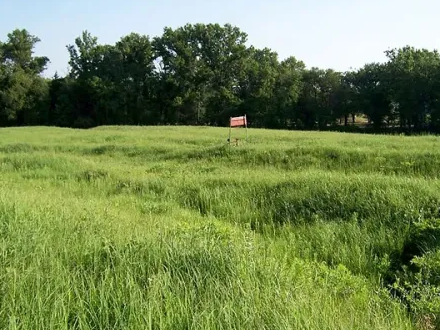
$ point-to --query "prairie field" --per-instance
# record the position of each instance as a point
(169, 228)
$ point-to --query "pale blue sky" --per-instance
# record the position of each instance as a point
(336, 34)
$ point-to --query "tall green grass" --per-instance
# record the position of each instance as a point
(169, 228)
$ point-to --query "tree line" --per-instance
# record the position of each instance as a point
(202, 74)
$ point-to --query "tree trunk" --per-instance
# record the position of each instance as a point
(346, 120)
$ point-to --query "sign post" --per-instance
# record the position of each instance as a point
(237, 122)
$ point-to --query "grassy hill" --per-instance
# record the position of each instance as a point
(169, 228)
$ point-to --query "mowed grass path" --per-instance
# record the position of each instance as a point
(168, 228)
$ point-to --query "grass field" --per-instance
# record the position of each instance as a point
(167, 228)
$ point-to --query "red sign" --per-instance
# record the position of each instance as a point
(238, 121)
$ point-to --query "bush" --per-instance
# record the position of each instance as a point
(84, 122)
(418, 283)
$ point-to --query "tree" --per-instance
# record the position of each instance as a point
(372, 93)
(200, 67)
(113, 84)
(257, 86)
(83, 56)
(288, 88)
(17, 51)
(412, 84)
(23, 93)
(224, 53)
(318, 102)
(183, 82)
(346, 98)
(137, 78)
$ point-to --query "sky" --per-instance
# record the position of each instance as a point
(337, 34)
